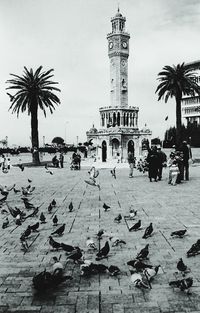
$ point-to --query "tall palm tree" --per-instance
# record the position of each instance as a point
(34, 91)
(177, 81)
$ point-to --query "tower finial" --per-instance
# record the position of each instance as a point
(118, 10)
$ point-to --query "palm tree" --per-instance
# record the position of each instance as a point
(177, 81)
(34, 91)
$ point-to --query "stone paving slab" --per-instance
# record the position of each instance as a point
(168, 207)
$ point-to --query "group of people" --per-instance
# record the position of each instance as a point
(156, 160)
(58, 161)
(178, 163)
(4, 163)
(76, 161)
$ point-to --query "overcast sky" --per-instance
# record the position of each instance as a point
(70, 37)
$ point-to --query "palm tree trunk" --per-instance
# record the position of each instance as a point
(178, 122)
(34, 134)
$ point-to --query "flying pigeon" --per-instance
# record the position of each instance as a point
(150, 273)
(116, 241)
(136, 226)
(92, 182)
(139, 280)
(29, 180)
(59, 231)
(148, 231)
(16, 190)
(21, 166)
(166, 118)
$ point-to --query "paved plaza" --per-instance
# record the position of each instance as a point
(168, 207)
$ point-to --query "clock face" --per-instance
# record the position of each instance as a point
(111, 45)
(124, 44)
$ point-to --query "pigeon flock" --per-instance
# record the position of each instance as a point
(142, 272)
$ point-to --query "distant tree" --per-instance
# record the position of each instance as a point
(175, 82)
(156, 141)
(58, 140)
(34, 91)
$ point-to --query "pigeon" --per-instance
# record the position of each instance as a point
(139, 280)
(113, 270)
(50, 208)
(138, 265)
(71, 207)
(18, 220)
(92, 182)
(59, 231)
(35, 227)
(4, 211)
(16, 190)
(106, 207)
(5, 223)
(148, 231)
(21, 166)
(29, 180)
(24, 243)
(98, 268)
(2, 200)
(150, 273)
(132, 214)
(103, 251)
(182, 284)
(113, 172)
(57, 267)
(67, 248)
(55, 220)
(195, 249)
(182, 267)
(179, 233)
(116, 241)
(27, 204)
(143, 253)
(118, 218)
(53, 202)
(12, 211)
(90, 244)
(100, 233)
(6, 189)
(55, 245)
(27, 232)
(93, 173)
(136, 226)
(42, 218)
(76, 255)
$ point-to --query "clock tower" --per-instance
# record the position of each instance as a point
(119, 132)
(118, 52)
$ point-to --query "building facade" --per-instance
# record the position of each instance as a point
(191, 105)
(119, 132)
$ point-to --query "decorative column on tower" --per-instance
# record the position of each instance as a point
(118, 52)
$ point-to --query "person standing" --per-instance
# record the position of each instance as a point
(162, 158)
(153, 162)
(131, 162)
(61, 159)
(187, 154)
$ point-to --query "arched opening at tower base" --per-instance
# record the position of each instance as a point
(115, 148)
(131, 147)
(104, 151)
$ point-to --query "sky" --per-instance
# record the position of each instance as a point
(70, 37)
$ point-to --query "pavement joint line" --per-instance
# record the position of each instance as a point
(32, 242)
(70, 192)
(145, 212)
(75, 217)
(167, 240)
